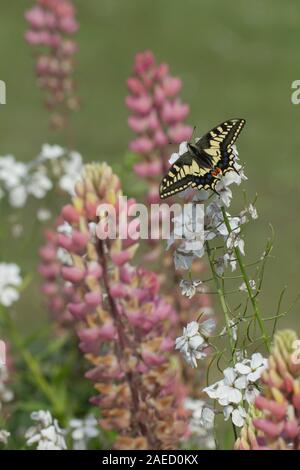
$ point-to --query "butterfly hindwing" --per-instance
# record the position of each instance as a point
(179, 176)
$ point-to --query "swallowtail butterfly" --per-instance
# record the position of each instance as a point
(204, 161)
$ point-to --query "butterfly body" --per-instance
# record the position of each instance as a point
(203, 162)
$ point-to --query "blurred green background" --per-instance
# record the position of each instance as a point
(236, 59)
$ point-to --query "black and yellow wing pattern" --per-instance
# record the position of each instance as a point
(204, 161)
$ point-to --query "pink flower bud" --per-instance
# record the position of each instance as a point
(32, 37)
(121, 258)
(78, 310)
(296, 401)
(70, 214)
(142, 145)
(48, 253)
(179, 133)
(49, 271)
(64, 241)
(277, 409)
(174, 112)
(153, 121)
(73, 274)
(95, 270)
(118, 290)
(291, 429)
(162, 71)
(49, 288)
(152, 359)
(93, 299)
(68, 25)
(172, 86)
(137, 124)
(159, 95)
(271, 429)
(36, 17)
(141, 105)
(135, 86)
(127, 274)
(160, 139)
(79, 240)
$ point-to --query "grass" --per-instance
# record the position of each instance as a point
(236, 59)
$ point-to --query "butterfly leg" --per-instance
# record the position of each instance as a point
(215, 190)
(236, 171)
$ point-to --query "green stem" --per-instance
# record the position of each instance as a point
(34, 367)
(252, 297)
(221, 295)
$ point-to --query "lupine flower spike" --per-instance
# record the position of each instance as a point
(52, 24)
(274, 422)
(123, 323)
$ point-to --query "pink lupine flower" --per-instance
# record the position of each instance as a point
(118, 306)
(274, 421)
(51, 23)
(54, 287)
(157, 111)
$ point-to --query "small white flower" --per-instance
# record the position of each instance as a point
(72, 168)
(39, 184)
(82, 430)
(18, 196)
(10, 280)
(51, 152)
(12, 172)
(201, 422)
(206, 327)
(6, 395)
(243, 287)
(189, 288)
(43, 214)
(64, 256)
(4, 435)
(252, 368)
(65, 229)
(234, 241)
(248, 211)
(230, 260)
(233, 327)
(228, 390)
(191, 344)
(237, 415)
(46, 433)
(182, 260)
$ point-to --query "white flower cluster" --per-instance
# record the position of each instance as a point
(238, 387)
(6, 394)
(193, 343)
(10, 281)
(4, 435)
(46, 434)
(19, 180)
(214, 225)
(82, 430)
(66, 165)
(201, 423)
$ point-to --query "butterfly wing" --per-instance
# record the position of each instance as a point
(217, 143)
(181, 175)
(178, 178)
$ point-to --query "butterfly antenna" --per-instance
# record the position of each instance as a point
(194, 129)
